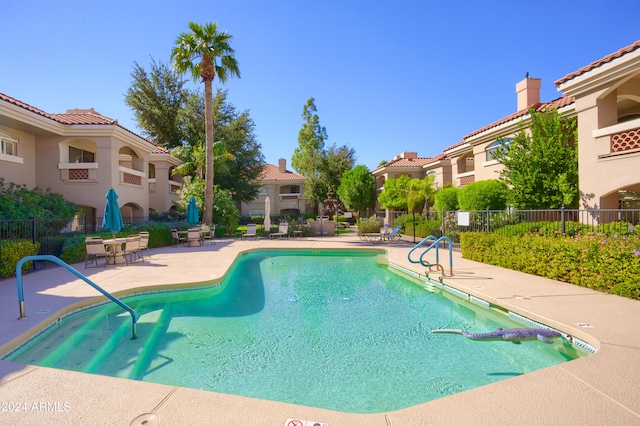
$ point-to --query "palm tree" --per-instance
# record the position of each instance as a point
(206, 52)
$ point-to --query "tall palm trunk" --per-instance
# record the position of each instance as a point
(207, 214)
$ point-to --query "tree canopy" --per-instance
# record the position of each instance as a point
(357, 189)
(541, 162)
(237, 153)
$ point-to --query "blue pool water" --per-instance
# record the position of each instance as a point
(326, 329)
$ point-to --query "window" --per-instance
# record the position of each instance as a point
(8, 144)
(77, 155)
(491, 149)
(262, 190)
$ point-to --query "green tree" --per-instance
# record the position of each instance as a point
(206, 53)
(357, 189)
(541, 163)
(420, 193)
(446, 199)
(322, 168)
(307, 157)
(484, 194)
(395, 193)
(156, 99)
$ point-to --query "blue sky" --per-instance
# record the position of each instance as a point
(386, 76)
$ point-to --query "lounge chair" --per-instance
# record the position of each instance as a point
(283, 231)
(95, 250)
(393, 236)
(373, 237)
(251, 231)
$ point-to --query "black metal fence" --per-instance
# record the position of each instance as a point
(49, 234)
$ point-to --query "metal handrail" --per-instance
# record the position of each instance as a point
(77, 274)
(436, 244)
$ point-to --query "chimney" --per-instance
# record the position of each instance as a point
(528, 91)
(282, 165)
(407, 155)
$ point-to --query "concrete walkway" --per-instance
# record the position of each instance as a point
(595, 390)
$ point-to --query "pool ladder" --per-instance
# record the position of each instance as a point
(435, 244)
(77, 274)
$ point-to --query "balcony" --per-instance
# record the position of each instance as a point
(130, 176)
(78, 172)
(466, 178)
(619, 139)
(174, 186)
(289, 196)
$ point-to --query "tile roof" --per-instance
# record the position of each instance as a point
(71, 117)
(600, 62)
(405, 162)
(540, 106)
(23, 105)
(271, 172)
(160, 149)
(83, 116)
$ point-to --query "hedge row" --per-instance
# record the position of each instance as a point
(610, 264)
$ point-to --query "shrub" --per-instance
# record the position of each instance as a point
(11, 251)
(601, 262)
(370, 225)
(483, 194)
(446, 199)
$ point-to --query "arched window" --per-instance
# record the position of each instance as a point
(8, 144)
(491, 149)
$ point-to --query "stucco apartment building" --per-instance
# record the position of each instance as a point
(81, 154)
(603, 96)
(283, 188)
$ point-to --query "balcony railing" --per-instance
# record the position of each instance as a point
(625, 141)
(130, 176)
(78, 172)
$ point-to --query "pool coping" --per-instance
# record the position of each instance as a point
(596, 389)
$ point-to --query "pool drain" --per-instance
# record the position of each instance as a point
(147, 419)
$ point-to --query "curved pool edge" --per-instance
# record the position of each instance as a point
(594, 389)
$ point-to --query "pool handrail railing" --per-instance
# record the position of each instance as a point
(436, 243)
(75, 272)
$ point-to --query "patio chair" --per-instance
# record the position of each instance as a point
(283, 231)
(373, 237)
(251, 231)
(208, 233)
(144, 242)
(393, 236)
(132, 248)
(194, 236)
(95, 250)
(176, 238)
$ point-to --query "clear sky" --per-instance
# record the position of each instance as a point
(386, 76)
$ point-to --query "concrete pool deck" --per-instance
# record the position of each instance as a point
(593, 390)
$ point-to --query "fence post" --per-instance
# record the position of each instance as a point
(488, 221)
(442, 220)
(33, 230)
(84, 223)
(562, 218)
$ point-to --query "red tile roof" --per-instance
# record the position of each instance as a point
(71, 117)
(271, 172)
(160, 149)
(83, 116)
(406, 162)
(541, 106)
(596, 64)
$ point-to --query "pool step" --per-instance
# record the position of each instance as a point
(147, 353)
(59, 358)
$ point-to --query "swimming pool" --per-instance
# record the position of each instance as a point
(329, 329)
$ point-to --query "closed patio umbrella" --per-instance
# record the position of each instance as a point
(192, 212)
(267, 215)
(112, 220)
